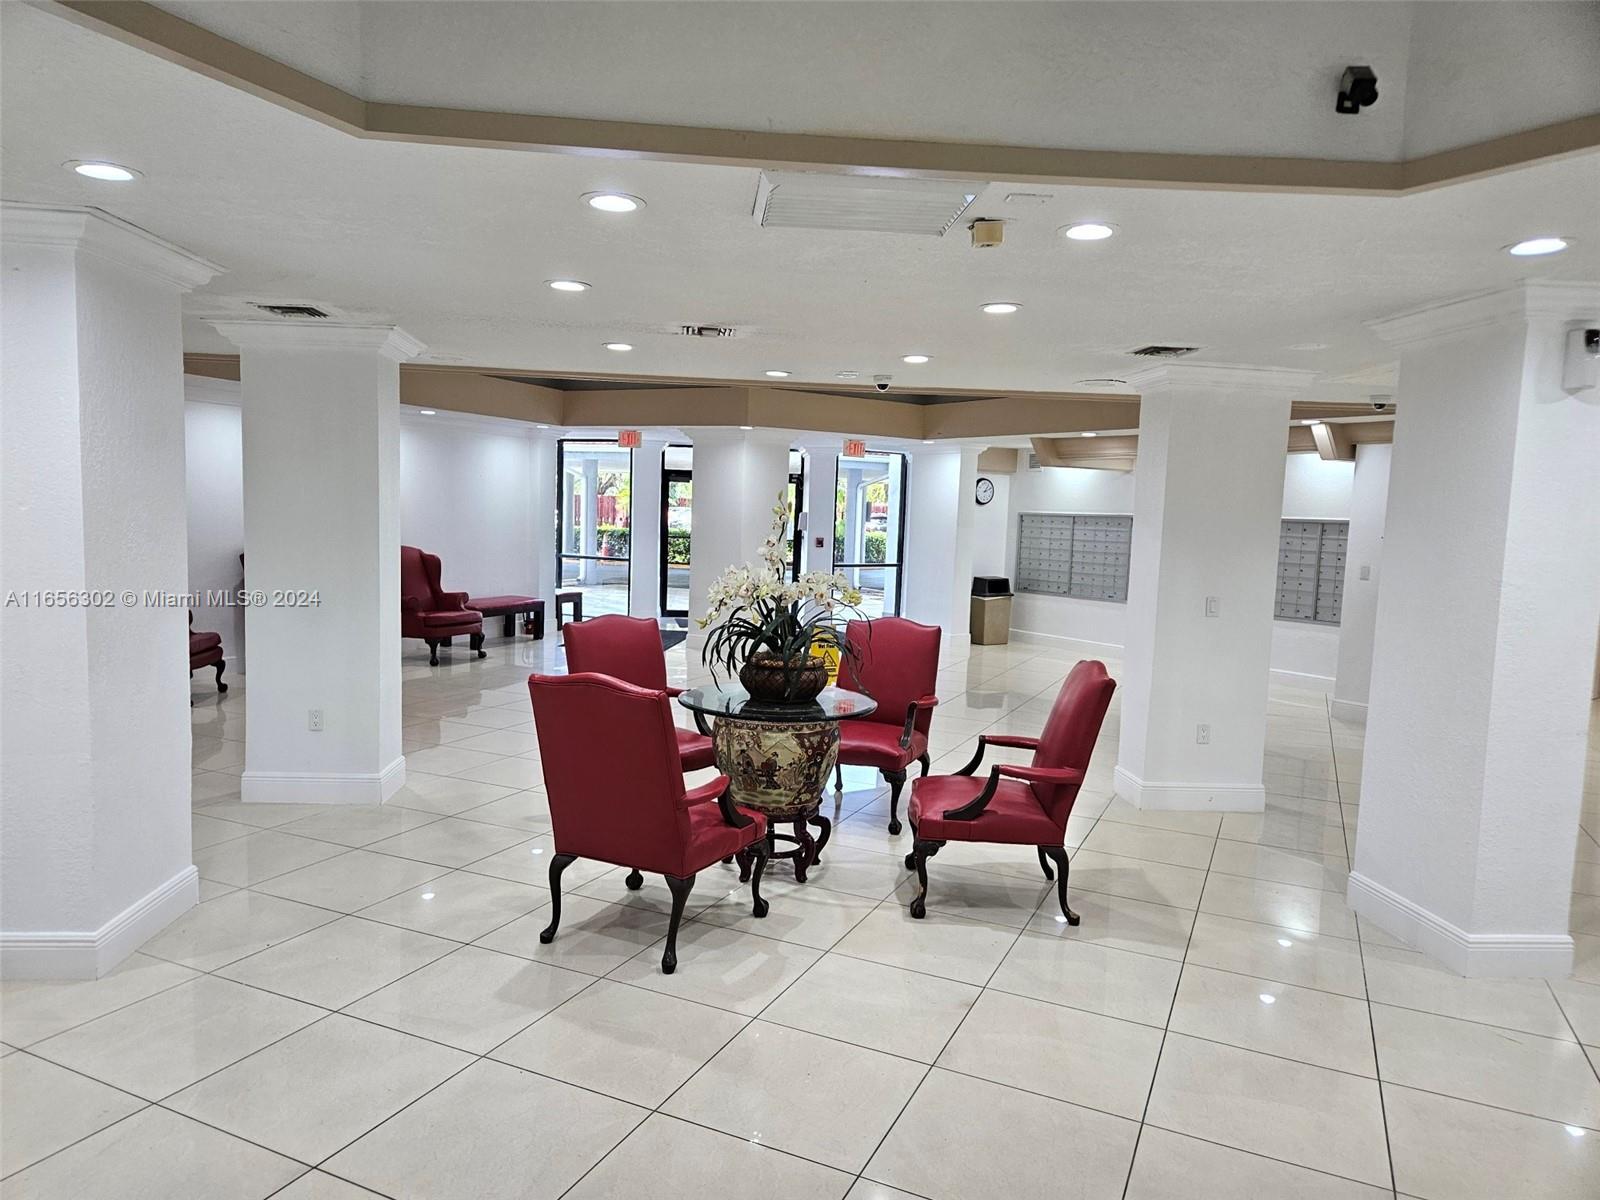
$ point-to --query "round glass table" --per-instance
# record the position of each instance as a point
(778, 758)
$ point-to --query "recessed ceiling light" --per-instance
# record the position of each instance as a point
(778, 374)
(1267, 998)
(1310, 421)
(1089, 433)
(1577, 1130)
(613, 202)
(110, 172)
(428, 412)
(427, 895)
(1536, 246)
(848, 375)
(1089, 231)
(747, 427)
(568, 285)
(927, 441)
(540, 427)
(1000, 308)
(619, 347)
(916, 359)
(1308, 346)
(1285, 943)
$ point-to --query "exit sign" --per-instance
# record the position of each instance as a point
(629, 439)
(855, 448)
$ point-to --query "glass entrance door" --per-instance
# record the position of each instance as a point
(677, 521)
(869, 527)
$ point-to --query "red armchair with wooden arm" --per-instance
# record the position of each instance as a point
(896, 662)
(629, 649)
(1018, 805)
(615, 787)
(205, 650)
(429, 612)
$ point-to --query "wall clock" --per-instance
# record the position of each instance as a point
(985, 490)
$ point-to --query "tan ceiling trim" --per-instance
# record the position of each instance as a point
(1026, 415)
(157, 32)
(212, 366)
(998, 460)
(485, 395)
(1099, 454)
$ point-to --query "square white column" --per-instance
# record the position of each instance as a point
(1202, 577)
(1479, 702)
(1358, 607)
(322, 559)
(940, 515)
(644, 534)
(95, 762)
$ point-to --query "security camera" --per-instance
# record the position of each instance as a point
(1379, 403)
(1591, 342)
(881, 382)
(1581, 370)
(1358, 89)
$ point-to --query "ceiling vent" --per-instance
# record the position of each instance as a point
(1033, 462)
(708, 331)
(864, 203)
(1163, 351)
(291, 310)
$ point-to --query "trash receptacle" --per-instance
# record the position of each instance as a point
(990, 620)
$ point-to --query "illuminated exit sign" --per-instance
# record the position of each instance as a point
(855, 448)
(629, 439)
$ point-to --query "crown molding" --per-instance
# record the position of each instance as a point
(1531, 299)
(388, 340)
(1231, 378)
(93, 231)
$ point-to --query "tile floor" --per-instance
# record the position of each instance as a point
(361, 1007)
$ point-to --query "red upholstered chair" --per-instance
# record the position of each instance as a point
(429, 612)
(629, 649)
(615, 788)
(896, 663)
(205, 650)
(1018, 805)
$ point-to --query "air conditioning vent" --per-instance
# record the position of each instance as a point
(291, 310)
(1033, 461)
(863, 203)
(1163, 351)
(708, 331)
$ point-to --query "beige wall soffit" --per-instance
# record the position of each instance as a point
(212, 366)
(1101, 453)
(1333, 443)
(1002, 416)
(998, 460)
(455, 390)
(633, 408)
(178, 41)
(1303, 439)
(820, 412)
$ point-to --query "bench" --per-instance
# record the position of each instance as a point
(511, 607)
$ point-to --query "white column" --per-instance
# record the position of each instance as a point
(95, 761)
(1474, 755)
(1201, 585)
(938, 549)
(644, 540)
(822, 488)
(1358, 608)
(322, 516)
(739, 476)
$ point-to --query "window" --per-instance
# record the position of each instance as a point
(1311, 570)
(869, 522)
(594, 523)
(1081, 555)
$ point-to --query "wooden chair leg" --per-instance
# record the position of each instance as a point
(475, 641)
(680, 894)
(222, 688)
(558, 864)
(920, 853)
(897, 780)
(759, 849)
(838, 778)
(1044, 863)
(433, 653)
(635, 881)
(926, 760)
(1058, 855)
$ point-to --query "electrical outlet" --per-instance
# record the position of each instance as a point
(1202, 735)
(1366, 571)
(314, 720)
(1213, 606)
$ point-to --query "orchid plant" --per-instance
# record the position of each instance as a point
(759, 610)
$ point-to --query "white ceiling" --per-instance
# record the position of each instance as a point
(454, 244)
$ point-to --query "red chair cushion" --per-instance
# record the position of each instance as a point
(499, 606)
(711, 839)
(199, 643)
(695, 750)
(870, 744)
(450, 620)
(1013, 815)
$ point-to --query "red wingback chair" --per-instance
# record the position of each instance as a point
(629, 649)
(429, 612)
(205, 650)
(1018, 805)
(615, 788)
(896, 662)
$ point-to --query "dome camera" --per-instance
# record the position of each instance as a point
(881, 382)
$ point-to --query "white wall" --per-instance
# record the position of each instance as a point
(214, 466)
(1312, 489)
(1369, 502)
(468, 493)
(990, 526)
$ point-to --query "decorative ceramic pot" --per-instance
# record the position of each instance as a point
(776, 767)
(772, 680)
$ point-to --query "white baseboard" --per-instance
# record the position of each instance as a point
(300, 787)
(1114, 649)
(91, 953)
(1353, 711)
(1474, 955)
(1299, 679)
(1189, 797)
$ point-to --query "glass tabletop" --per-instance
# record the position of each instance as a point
(831, 704)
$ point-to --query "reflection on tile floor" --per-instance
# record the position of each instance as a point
(361, 1007)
